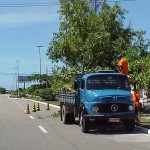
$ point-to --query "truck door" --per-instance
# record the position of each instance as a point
(82, 90)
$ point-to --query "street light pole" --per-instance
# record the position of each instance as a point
(40, 60)
(18, 75)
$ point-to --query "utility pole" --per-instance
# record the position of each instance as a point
(14, 87)
(46, 77)
(40, 60)
(18, 75)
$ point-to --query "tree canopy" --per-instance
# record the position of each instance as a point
(88, 40)
(2, 90)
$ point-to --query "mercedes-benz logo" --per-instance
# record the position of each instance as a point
(114, 107)
(114, 97)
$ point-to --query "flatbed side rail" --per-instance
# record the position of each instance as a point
(66, 98)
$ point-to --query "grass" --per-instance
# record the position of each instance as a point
(144, 120)
(55, 115)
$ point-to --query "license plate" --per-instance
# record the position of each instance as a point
(114, 120)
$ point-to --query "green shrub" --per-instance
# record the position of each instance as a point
(46, 94)
(2, 90)
(30, 90)
(14, 93)
(37, 92)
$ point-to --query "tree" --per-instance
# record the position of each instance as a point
(139, 62)
(2, 90)
(88, 39)
(43, 80)
(140, 72)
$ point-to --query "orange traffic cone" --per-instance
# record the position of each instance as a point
(27, 111)
(38, 107)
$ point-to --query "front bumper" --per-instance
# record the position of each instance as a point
(106, 117)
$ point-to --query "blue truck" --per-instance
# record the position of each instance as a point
(100, 98)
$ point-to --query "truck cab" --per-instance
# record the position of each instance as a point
(105, 97)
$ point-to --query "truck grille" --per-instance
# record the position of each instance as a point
(110, 98)
(107, 108)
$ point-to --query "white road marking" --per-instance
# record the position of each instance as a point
(31, 117)
(43, 129)
(17, 103)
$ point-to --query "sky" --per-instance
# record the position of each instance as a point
(22, 29)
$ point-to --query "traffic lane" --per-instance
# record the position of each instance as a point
(71, 135)
(16, 129)
(113, 138)
(19, 131)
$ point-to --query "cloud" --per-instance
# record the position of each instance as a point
(27, 17)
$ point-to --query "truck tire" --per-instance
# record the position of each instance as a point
(130, 125)
(61, 112)
(65, 116)
(85, 125)
(71, 118)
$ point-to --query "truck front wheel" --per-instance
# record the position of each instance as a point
(130, 125)
(85, 125)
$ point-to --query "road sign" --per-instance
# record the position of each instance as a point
(23, 79)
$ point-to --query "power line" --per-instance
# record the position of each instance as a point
(27, 4)
(48, 4)
(21, 74)
(112, 0)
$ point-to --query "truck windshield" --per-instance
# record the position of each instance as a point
(100, 82)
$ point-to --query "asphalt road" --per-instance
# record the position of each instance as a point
(40, 131)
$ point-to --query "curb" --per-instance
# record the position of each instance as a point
(142, 129)
(37, 102)
(43, 103)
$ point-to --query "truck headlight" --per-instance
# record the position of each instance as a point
(131, 107)
(95, 109)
